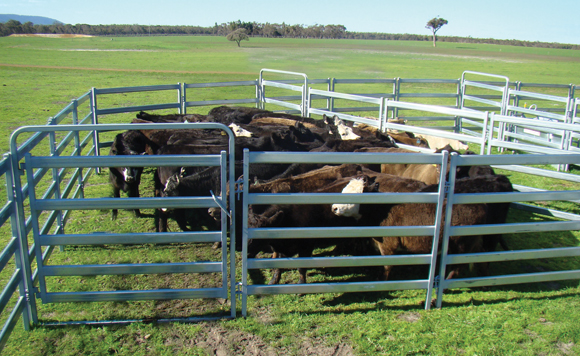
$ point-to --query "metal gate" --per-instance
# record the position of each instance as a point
(309, 232)
(44, 220)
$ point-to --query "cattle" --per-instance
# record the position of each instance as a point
(436, 142)
(428, 173)
(171, 118)
(345, 132)
(423, 214)
(200, 183)
(384, 183)
(234, 114)
(307, 182)
(317, 215)
(127, 179)
(402, 137)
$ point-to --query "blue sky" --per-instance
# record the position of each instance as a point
(532, 20)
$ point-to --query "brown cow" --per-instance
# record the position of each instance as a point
(424, 215)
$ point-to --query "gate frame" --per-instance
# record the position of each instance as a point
(91, 161)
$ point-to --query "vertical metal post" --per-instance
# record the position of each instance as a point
(180, 99)
(305, 101)
(55, 181)
(458, 119)
(224, 222)
(21, 260)
(246, 174)
(328, 99)
(232, 197)
(95, 121)
(382, 114)
(486, 133)
(332, 89)
(35, 228)
(396, 92)
(385, 122)
(446, 226)
(75, 121)
(437, 228)
(258, 98)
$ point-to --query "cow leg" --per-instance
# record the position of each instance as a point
(116, 194)
(276, 272)
(387, 247)
(161, 218)
(302, 278)
(181, 219)
(134, 193)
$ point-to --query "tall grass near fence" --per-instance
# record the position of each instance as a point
(522, 319)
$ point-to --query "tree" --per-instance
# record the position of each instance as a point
(238, 35)
(434, 25)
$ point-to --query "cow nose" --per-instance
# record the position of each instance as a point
(335, 209)
(130, 179)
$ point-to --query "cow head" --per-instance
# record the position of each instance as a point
(357, 185)
(239, 131)
(345, 132)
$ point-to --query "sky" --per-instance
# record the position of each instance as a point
(531, 20)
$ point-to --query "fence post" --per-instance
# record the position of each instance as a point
(458, 120)
(396, 92)
(442, 195)
(258, 97)
(75, 121)
(447, 224)
(95, 122)
(332, 88)
(180, 99)
(25, 284)
(18, 225)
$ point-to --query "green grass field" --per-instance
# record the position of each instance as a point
(39, 76)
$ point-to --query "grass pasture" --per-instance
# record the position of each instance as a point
(39, 76)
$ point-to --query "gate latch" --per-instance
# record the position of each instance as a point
(220, 204)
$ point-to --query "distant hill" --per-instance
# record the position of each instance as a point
(37, 20)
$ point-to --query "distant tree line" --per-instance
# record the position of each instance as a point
(253, 29)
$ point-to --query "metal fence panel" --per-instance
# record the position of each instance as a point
(338, 232)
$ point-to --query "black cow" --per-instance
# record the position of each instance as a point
(127, 179)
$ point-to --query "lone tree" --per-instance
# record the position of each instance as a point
(434, 25)
(238, 36)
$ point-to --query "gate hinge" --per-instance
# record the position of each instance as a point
(22, 168)
(28, 294)
(447, 185)
(436, 282)
(239, 291)
(238, 185)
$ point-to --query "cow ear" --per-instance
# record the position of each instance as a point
(359, 170)
(326, 119)
(182, 172)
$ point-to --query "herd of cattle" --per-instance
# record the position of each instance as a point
(262, 130)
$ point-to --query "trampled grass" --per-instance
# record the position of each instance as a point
(39, 76)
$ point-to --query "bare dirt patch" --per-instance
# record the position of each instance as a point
(565, 348)
(410, 317)
(217, 340)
